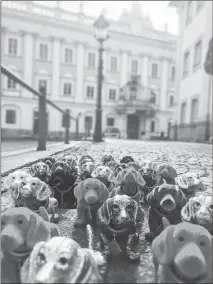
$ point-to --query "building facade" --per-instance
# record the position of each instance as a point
(57, 48)
(193, 112)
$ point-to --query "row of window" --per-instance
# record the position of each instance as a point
(90, 91)
(196, 60)
(68, 58)
(11, 116)
(189, 10)
(194, 111)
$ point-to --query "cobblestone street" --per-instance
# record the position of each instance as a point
(183, 156)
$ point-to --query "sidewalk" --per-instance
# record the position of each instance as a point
(11, 161)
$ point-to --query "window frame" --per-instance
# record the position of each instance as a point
(91, 60)
(189, 13)
(93, 95)
(112, 91)
(64, 88)
(113, 63)
(47, 51)
(152, 73)
(193, 118)
(186, 67)
(134, 70)
(65, 56)
(13, 83)
(195, 62)
(152, 128)
(113, 119)
(8, 51)
(15, 117)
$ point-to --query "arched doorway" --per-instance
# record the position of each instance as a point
(132, 126)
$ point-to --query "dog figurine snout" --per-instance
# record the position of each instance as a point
(91, 197)
(168, 203)
(190, 262)
(11, 238)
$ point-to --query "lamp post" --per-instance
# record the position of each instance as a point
(101, 34)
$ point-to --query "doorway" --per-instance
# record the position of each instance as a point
(132, 126)
(36, 122)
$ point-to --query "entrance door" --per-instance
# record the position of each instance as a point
(88, 125)
(36, 122)
(132, 126)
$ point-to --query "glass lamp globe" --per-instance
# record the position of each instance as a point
(101, 27)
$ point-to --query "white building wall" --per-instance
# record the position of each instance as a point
(59, 34)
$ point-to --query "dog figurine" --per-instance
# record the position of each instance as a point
(90, 194)
(113, 165)
(166, 172)
(62, 260)
(182, 253)
(126, 160)
(189, 183)
(165, 200)
(86, 168)
(129, 182)
(120, 168)
(49, 161)
(199, 210)
(120, 220)
(149, 173)
(62, 182)
(21, 229)
(86, 158)
(35, 194)
(41, 171)
(107, 158)
(105, 175)
(72, 162)
(13, 182)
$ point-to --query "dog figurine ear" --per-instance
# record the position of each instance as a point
(79, 190)
(119, 178)
(44, 192)
(95, 173)
(28, 270)
(186, 211)
(151, 197)
(8, 181)
(162, 246)
(33, 170)
(139, 179)
(103, 192)
(103, 214)
(111, 177)
(165, 222)
(38, 230)
(181, 197)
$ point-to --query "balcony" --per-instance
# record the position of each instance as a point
(134, 98)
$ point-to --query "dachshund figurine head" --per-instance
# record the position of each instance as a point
(182, 254)
(112, 165)
(86, 169)
(134, 165)
(199, 210)
(21, 229)
(119, 212)
(35, 194)
(84, 159)
(15, 180)
(126, 160)
(166, 198)
(106, 159)
(41, 170)
(104, 174)
(166, 172)
(189, 183)
(49, 161)
(62, 260)
(120, 168)
(129, 180)
(149, 173)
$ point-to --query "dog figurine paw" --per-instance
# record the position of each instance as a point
(165, 200)
(199, 210)
(182, 253)
(62, 260)
(120, 220)
(90, 194)
(189, 183)
(21, 229)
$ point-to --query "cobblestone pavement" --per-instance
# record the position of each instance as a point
(183, 156)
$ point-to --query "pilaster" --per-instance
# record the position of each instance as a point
(56, 66)
(124, 68)
(80, 73)
(164, 84)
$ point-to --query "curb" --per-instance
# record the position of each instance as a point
(16, 153)
(3, 174)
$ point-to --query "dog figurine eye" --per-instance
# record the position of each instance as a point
(202, 243)
(63, 261)
(41, 257)
(129, 207)
(181, 239)
(197, 204)
(2, 223)
(33, 183)
(115, 206)
(20, 221)
(13, 177)
(211, 207)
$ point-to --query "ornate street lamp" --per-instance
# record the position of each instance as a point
(101, 34)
